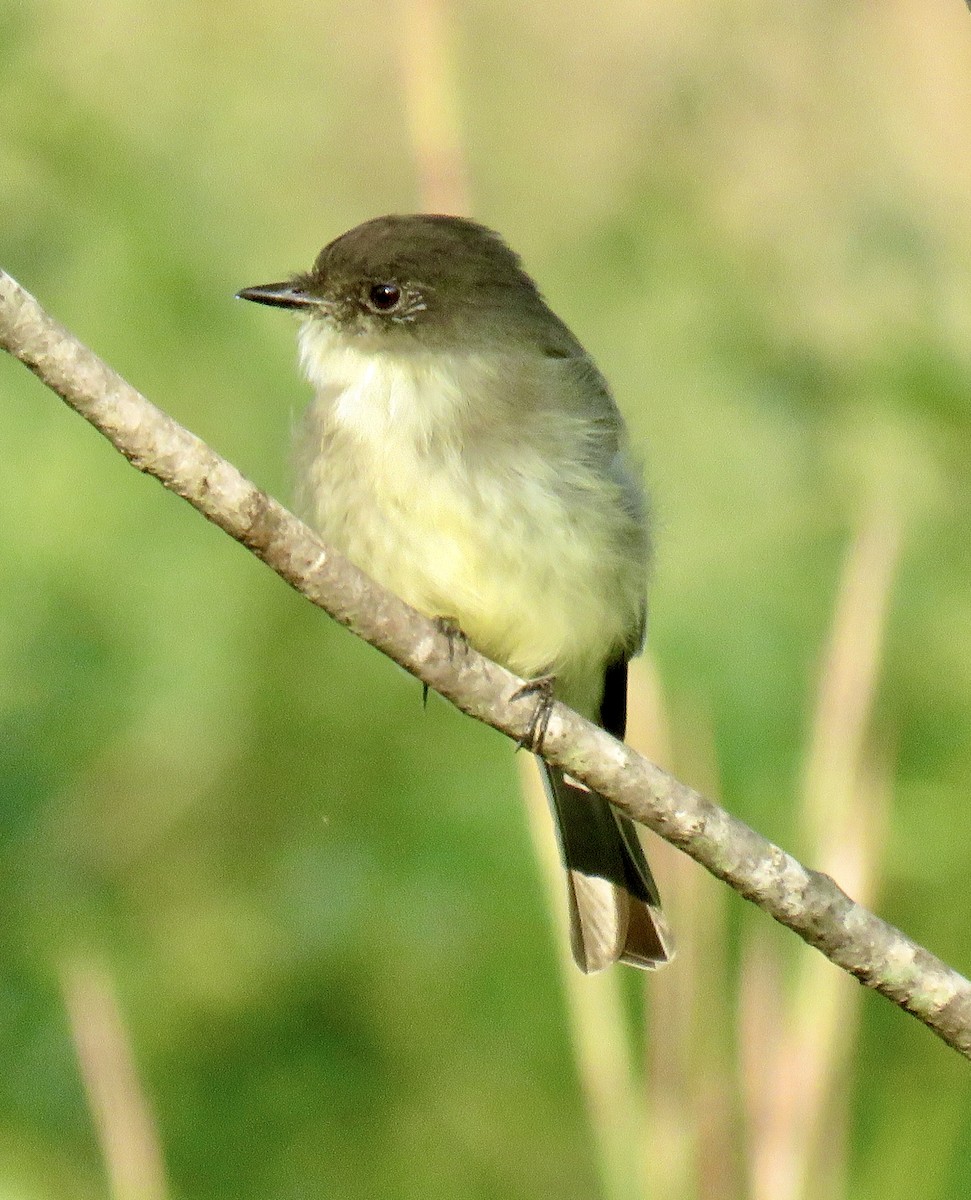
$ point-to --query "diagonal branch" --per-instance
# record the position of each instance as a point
(806, 901)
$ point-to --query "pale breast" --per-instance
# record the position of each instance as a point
(504, 534)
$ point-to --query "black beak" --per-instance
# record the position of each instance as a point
(279, 295)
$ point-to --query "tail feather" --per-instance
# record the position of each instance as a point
(615, 912)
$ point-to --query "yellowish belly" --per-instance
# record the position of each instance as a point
(531, 570)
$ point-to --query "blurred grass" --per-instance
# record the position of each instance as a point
(317, 903)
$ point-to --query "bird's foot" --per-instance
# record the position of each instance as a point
(456, 641)
(453, 632)
(542, 689)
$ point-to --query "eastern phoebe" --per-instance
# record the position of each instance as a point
(464, 451)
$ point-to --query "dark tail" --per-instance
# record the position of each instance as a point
(615, 911)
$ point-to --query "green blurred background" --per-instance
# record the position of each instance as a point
(315, 904)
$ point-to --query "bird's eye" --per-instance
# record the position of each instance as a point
(383, 297)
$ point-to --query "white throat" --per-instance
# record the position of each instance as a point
(385, 396)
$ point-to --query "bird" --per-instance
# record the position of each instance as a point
(463, 449)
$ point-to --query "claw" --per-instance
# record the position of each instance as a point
(453, 632)
(456, 638)
(542, 688)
